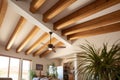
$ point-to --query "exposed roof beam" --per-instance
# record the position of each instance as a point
(3, 8)
(18, 28)
(43, 47)
(36, 19)
(84, 12)
(0, 5)
(35, 5)
(95, 23)
(98, 31)
(42, 38)
(49, 51)
(28, 38)
(56, 9)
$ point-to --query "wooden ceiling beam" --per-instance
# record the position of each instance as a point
(42, 38)
(98, 31)
(49, 51)
(0, 5)
(53, 40)
(108, 19)
(28, 38)
(84, 12)
(18, 28)
(3, 8)
(56, 9)
(35, 5)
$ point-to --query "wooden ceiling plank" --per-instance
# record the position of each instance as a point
(108, 19)
(98, 31)
(18, 28)
(84, 12)
(49, 51)
(42, 38)
(53, 40)
(28, 38)
(35, 5)
(3, 8)
(56, 9)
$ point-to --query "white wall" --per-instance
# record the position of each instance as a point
(35, 60)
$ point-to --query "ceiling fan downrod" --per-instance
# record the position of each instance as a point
(50, 36)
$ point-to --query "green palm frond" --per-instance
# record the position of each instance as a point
(99, 64)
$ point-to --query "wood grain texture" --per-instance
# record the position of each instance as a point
(45, 53)
(40, 40)
(0, 5)
(35, 5)
(32, 33)
(108, 19)
(56, 9)
(53, 40)
(15, 33)
(84, 12)
(3, 8)
(98, 31)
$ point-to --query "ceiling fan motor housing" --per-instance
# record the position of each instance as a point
(50, 33)
(50, 46)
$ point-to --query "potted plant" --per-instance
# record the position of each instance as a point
(32, 74)
(99, 64)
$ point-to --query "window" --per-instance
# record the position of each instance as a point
(14, 68)
(25, 70)
(50, 69)
(4, 63)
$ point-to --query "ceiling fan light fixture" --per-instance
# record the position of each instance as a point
(50, 49)
(50, 46)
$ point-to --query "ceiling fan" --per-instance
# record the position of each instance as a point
(51, 46)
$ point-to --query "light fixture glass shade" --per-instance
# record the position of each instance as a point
(50, 49)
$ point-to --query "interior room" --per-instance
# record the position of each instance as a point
(54, 39)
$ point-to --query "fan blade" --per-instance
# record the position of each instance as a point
(53, 49)
(60, 46)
